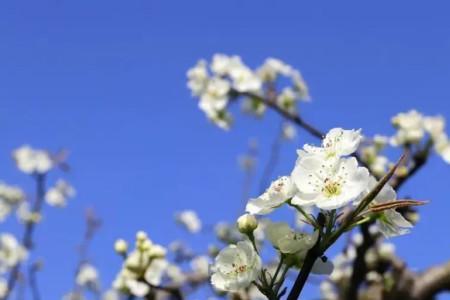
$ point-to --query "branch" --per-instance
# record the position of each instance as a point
(432, 282)
(27, 240)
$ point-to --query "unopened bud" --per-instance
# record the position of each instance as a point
(141, 236)
(121, 246)
(247, 223)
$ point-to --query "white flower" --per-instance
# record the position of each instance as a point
(390, 222)
(3, 288)
(215, 97)
(10, 197)
(328, 184)
(236, 267)
(338, 142)
(300, 85)
(434, 125)
(137, 288)
(111, 295)
(289, 132)
(87, 276)
(198, 78)
(11, 252)
(200, 265)
(58, 195)
(286, 99)
(121, 246)
(189, 220)
(31, 161)
(327, 291)
(175, 274)
(244, 80)
(273, 67)
(279, 192)
(156, 271)
(26, 215)
(379, 165)
(410, 128)
(288, 241)
(222, 64)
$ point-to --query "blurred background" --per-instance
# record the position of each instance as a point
(107, 81)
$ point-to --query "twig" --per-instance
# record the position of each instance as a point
(34, 268)
(272, 162)
(27, 240)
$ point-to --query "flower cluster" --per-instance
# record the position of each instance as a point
(413, 126)
(327, 178)
(147, 267)
(227, 77)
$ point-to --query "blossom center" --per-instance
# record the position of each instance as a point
(331, 188)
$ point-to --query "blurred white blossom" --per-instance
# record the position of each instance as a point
(59, 194)
(11, 252)
(32, 161)
(189, 220)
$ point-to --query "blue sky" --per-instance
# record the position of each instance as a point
(106, 79)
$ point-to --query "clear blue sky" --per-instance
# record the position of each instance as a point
(106, 79)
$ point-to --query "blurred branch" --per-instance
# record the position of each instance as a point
(27, 240)
(272, 162)
(32, 271)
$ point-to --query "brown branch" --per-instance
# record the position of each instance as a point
(432, 282)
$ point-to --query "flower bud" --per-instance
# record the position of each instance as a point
(247, 223)
(141, 236)
(121, 246)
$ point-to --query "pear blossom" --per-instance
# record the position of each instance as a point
(11, 252)
(272, 68)
(278, 193)
(410, 128)
(200, 265)
(287, 99)
(32, 161)
(175, 274)
(223, 64)
(111, 295)
(236, 267)
(10, 197)
(3, 288)
(300, 86)
(58, 195)
(391, 223)
(137, 288)
(337, 142)
(434, 125)
(198, 78)
(156, 271)
(87, 276)
(328, 184)
(288, 132)
(288, 241)
(121, 246)
(189, 220)
(26, 215)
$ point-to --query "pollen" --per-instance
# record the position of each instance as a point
(331, 188)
